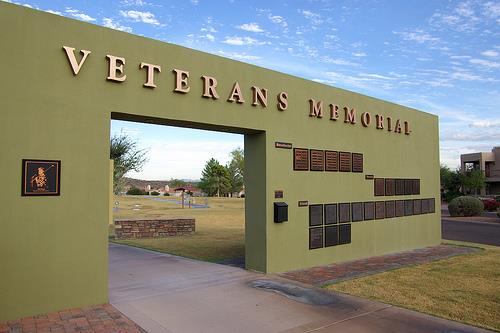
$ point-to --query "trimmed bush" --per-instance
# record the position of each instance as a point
(166, 194)
(155, 193)
(465, 206)
(136, 191)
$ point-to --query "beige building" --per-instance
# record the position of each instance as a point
(489, 163)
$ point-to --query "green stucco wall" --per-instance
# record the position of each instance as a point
(53, 250)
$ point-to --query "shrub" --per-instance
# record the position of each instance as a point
(136, 191)
(155, 193)
(465, 206)
(498, 212)
(490, 205)
(167, 194)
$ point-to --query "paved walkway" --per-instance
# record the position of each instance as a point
(98, 319)
(165, 293)
(321, 275)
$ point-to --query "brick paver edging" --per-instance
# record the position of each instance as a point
(333, 273)
(98, 319)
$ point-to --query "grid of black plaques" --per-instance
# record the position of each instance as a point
(326, 224)
(330, 224)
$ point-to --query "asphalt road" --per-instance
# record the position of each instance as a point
(476, 232)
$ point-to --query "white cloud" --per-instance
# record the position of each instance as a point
(459, 57)
(490, 53)
(278, 20)
(252, 27)
(53, 12)
(239, 41)
(313, 17)
(359, 54)
(134, 3)
(485, 123)
(492, 10)
(137, 16)
(417, 35)
(209, 37)
(486, 63)
(79, 15)
(337, 61)
(194, 2)
(109, 23)
(240, 56)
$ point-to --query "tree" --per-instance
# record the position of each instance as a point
(236, 170)
(214, 179)
(126, 156)
(175, 183)
(450, 183)
(472, 180)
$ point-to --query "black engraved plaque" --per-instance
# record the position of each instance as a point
(425, 206)
(315, 238)
(380, 210)
(300, 159)
(357, 211)
(357, 162)
(331, 235)
(315, 215)
(344, 233)
(400, 186)
(408, 186)
(390, 186)
(432, 205)
(345, 161)
(416, 186)
(400, 208)
(408, 207)
(317, 159)
(390, 209)
(417, 206)
(344, 212)
(330, 213)
(41, 177)
(331, 160)
(379, 186)
(369, 210)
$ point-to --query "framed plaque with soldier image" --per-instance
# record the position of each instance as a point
(41, 177)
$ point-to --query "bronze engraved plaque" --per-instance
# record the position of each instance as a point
(417, 206)
(278, 194)
(408, 186)
(390, 209)
(416, 186)
(400, 186)
(344, 234)
(400, 208)
(379, 210)
(330, 213)
(379, 186)
(432, 205)
(357, 211)
(315, 215)
(344, 212)
(331, 235)
(390, 186)
(357, 162)
(317, 160)
(331, 160)
(408, 207)
(300, 159)
(425, 206)
(303, 203)
(315, 238)
(345, 161)
(369, 210)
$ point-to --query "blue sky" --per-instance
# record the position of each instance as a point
(441, 57)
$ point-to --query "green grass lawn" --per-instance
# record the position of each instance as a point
(220, 229)
(465, 288)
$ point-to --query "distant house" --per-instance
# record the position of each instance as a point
(487, 162)
(195, 191)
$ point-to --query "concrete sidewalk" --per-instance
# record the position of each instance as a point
(165, 293)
